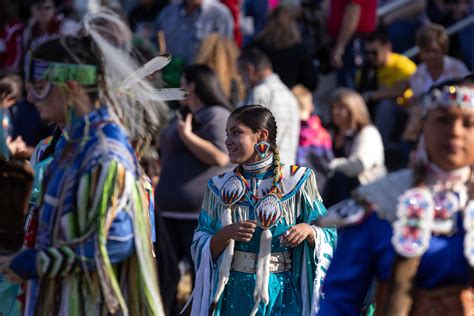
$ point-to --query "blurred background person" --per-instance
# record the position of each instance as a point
(192, 150)
(383, 69)
(234, 7)
(315, 144)
(399, 23)
(281, 41)
(264, 87)
(450, 12)
(45, 23)
(436, 66)
(187, 23)
(220, 54)
(357, 145)
(10, 92)
(11, 30)
(143, 14)
(348, 22)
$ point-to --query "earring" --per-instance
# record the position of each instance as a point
(262, 148)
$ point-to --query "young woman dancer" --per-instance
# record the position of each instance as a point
(255, 250)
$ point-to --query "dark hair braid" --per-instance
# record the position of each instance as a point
(276, 166)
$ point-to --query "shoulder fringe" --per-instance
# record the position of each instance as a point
(306, 194)
(213, 205)
(310, 188)
(292, 205)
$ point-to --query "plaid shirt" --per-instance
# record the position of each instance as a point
(273, 94)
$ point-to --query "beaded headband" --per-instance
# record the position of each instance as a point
(448, 96)
(62, 72)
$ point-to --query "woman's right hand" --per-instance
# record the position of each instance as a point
(241, 231)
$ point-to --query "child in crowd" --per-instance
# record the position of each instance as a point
(315, 145)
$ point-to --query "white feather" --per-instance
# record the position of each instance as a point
(147, 69)
(167, 94)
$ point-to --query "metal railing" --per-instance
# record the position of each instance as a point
(392, 6)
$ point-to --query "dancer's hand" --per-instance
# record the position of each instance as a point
(241, 231)
(295, 235)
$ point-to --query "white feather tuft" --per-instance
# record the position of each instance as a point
(144, 71)
(139, 108)
(167, 94)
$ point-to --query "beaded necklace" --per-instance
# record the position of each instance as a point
(252, 197)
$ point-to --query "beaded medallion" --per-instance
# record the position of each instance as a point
(268, 211)
(412, 229)
(233, 190)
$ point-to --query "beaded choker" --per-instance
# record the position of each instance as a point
(252, 196)
(259, 166)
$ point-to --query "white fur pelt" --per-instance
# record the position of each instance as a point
(226, 261)
(260, 293)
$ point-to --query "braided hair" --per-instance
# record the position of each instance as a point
(257, 118)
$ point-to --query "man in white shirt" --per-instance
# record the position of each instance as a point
(264, 87)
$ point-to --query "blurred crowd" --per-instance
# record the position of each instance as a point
(376, 62)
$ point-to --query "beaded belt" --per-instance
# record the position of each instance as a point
(247, 261)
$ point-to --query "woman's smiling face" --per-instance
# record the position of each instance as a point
(240, 142)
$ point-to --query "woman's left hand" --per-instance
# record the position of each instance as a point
(185, 127)
(295, 235)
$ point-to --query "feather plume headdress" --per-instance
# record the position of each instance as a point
(121, 84)
(133, 100)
